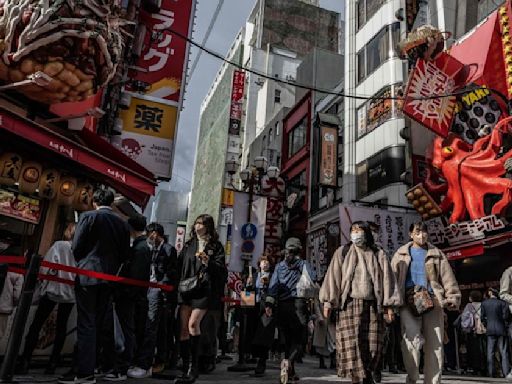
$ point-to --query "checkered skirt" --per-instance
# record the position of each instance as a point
(359, 339)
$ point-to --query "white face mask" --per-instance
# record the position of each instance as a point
(358, 238)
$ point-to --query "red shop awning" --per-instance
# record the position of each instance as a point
(97, 156)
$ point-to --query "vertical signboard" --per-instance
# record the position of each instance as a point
(328, 163)
(235, 110)
(159, 70)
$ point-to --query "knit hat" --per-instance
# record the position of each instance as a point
(293, 244)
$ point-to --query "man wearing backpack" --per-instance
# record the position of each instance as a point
(495, 314)
(471, 324)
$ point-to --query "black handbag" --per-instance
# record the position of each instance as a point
(191, 285)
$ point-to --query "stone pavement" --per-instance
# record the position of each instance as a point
(308, 371)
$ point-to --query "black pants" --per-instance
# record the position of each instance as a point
(166, 340)
(43, 311)
(293, 318)
(146, 351)
(92, 303)
(477, 352)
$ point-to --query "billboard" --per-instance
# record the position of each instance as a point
(159, 70)
(148, 134)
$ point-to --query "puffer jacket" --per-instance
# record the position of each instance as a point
(11, 292)
(438, 271)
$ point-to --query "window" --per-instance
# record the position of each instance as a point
(277, 128)
(297, 185)
(366, 9)
(377, 111)
(277, 96)
(379, 49)
(270, 138)
(297, 138)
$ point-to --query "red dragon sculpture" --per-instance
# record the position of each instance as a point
(471, 172)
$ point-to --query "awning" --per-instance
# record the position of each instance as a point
(477, 247)
(97, 156)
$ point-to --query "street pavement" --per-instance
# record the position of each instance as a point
(308, 372)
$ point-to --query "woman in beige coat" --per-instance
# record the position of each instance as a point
(421, 267)
(361, 285)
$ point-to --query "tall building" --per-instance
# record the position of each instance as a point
(277, 36)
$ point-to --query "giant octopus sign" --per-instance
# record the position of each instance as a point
(78, 44)
(463, 95)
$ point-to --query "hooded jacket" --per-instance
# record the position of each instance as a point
(438, 271)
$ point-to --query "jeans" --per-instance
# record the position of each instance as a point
(43, 311)
(92, 303)
(502, 346)
(156, 306)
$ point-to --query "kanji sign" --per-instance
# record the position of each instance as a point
(425, 99)
(148, 134)
(329, 160)
(237, 94)
(161, 63)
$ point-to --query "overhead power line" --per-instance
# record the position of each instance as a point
(206, 36)
(463, 91)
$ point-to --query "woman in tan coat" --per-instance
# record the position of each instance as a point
(426, 285)
(361, 285)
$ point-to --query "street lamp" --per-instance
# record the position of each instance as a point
(273, 172)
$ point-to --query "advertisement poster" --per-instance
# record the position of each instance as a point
(158, 72)
(180, 238)
(433, 78)
(328, 163)
(19, 207)
(148, 134)
(394, 226)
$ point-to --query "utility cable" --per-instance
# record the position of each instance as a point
(463, 91)
(205, 38)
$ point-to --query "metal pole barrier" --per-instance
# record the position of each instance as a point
(20, 320)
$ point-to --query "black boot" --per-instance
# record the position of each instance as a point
(185, 356)
(261, 367)
(51, 367)
(192, 370)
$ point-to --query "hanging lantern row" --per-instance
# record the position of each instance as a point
(49, 183)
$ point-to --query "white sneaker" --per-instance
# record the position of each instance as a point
(284, 371)
(139, 373)
(509, 376)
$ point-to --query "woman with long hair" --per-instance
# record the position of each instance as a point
(203, 275)
(52, 294)
(361, 285)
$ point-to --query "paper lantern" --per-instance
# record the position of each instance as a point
(10, 168)
(49, 183)
(67, 189)
(83, 197)
(30, 176)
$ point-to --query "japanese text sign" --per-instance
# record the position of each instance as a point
(161, 64)
(328, 171)
(237, 94)
(429, 82)
(148, 134)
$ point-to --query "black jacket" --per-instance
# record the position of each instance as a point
(190, 265)
(138, 266)
(495, 314)
(101, 244)
(165, 260)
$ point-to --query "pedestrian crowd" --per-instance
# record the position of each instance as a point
(371, 311)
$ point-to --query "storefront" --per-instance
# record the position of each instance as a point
(47, 178)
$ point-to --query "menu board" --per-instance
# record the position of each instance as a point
(20, 207)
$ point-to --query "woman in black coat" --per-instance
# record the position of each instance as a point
(202, 258)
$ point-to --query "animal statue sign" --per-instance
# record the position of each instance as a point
(472, 172)
(77, 43)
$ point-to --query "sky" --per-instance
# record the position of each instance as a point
(231, 18)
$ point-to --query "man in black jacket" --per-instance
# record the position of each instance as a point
(101, 244)
(164, 269)
(131, 304)
(495, 314)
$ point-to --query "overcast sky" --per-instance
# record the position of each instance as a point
(231, 19)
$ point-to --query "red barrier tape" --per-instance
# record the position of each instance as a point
(12, 260)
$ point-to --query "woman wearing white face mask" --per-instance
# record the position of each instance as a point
(426, 285)
(361, 285)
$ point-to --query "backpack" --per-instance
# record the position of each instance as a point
(467, 321)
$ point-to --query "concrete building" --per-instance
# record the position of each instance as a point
(170, 209)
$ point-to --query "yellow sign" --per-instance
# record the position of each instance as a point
(228, 197)
(146, 117)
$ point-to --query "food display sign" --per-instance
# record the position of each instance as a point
(20, 207)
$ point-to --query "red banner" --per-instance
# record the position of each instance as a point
(161, 63)
(237, 94)
(429, 82)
